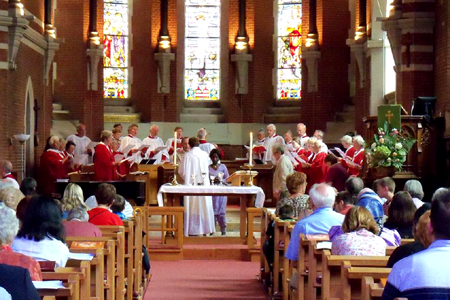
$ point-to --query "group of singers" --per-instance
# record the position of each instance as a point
(115, 154)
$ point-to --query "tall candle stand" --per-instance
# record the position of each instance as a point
(174, 180)
(249, 172)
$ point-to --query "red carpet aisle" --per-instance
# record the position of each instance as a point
(205, 279)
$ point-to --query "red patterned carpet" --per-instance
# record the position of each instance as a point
(204, 279)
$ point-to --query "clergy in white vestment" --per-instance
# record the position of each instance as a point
(302, 136)
(6, 168)
(154, 141)
(82, 154)
(131, 140)
(204, 145)
(171, 145)
(198, 210)
(271, 139)
(318, 134)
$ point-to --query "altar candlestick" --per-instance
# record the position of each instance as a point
(250, 160)
(175, 148)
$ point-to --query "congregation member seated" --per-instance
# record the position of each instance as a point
(354, 185)
(337, 175)
(424, 275)
(72, 198)
(359, 236)
(77, 224)
(219, 202)
(296, 185)
(17, 283)
(283, 168)
(321, 197)
(385, 188)
(9, 225)
(28, 187)
(422, 238)
(414, 188)
(285, 213)
(401, 215)
(42, 233)
(91, 203)
(105, 195)
(343, 202)
(11, 196)
(118, 207)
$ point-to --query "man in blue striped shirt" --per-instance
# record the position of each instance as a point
(424, 275)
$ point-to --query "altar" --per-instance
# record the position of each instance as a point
(250, 196)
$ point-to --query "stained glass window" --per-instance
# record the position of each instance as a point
(115, 52)
(289, 55)
(202, 50)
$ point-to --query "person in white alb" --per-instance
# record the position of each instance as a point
(204, 145)
(131, 139)
(6, 168)
(82, 154)
(302, 136)
(271, 139)
(198, 210)
(154, 141)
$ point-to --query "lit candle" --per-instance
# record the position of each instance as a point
(250, 157)
(175, 147)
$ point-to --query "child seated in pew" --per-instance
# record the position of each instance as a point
(285, 213)
(360, 235)
(118, 207)
(105, 196)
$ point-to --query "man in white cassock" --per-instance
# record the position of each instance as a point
(204, 145)
(154, 141)
(318, 134)
(131, 143)
(82, 155)
(302, 136)
(271, 139)
(198, 210)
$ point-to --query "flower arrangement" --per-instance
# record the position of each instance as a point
(390, 148)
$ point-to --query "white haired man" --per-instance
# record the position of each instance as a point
(204, 145)
(131, 140)
(6, 168)
(271, 139)
(302, 136)
(154, 141)
(81, 141)
(284, 168)
(318, 134)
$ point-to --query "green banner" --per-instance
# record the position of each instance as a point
(391, 114)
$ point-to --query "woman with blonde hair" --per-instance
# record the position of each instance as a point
(360, 235)
(72, 198)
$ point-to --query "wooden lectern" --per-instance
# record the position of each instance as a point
(242, 176)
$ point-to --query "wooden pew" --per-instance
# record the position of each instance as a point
(105, 262)
(117, 233)
(71, 290)
(288, 267)
(140, 278)
(253, 248)
(266, 217)
(406, 241)
(331, 270)
(371, 290)
(351, 279)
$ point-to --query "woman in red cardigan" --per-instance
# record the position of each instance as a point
(358, 156)
(316, 169)
(103, 158)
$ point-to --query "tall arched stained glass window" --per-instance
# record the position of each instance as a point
(115, 54)
(289, 56)
(202, 50)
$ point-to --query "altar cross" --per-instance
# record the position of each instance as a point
(389, 116)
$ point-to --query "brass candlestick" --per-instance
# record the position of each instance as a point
(174, 180)
(250, 167)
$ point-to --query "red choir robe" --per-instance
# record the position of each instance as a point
(103, 163)
(348, 154)
(358, 158)
(51, 168)
(303, 154)
(121, 170)
(172, 146)
(9, 175)
(317, 173)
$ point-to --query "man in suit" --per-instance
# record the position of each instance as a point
(17, 282)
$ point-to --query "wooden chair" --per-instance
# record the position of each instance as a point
(71, 290)
(331, 270)
(105, 262)
(351, 278)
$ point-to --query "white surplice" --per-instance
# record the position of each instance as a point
(198, 210)
(131, 140)
(80, 151)
(268, 144)
(153, 143)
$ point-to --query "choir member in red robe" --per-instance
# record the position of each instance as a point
(347, 143)
(103, 158)
(358, 156)
(316, 169)
(120, 171)
(52, 167)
